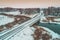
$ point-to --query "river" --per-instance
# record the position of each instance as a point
(54, 27)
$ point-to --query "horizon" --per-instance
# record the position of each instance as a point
(29, 3)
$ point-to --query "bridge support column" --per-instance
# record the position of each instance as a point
(38, 22)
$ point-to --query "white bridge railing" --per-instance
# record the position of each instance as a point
(10, 33)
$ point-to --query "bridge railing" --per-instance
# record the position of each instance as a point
(10, 33)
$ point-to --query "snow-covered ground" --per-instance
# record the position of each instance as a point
(44, 18)
(54, 35)
(5, 19)
(58, 19)
(31, 15)
(26, 34)
(12, 13)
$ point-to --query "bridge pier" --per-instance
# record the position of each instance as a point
(38, 22)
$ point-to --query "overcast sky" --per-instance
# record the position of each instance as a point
(29, 3)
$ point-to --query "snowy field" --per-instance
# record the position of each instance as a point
(26, 34)
(11, 13)
(4, 20)
(54, 35)
(58, 19)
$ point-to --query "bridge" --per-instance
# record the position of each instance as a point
(10, 33)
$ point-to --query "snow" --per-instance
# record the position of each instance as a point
(25, 34)
(58, 19)
(31, 15)
(5, 19)
(54, 35)
(14, 13)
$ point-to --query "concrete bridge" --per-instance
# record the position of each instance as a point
(8, 34)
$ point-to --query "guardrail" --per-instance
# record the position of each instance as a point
(10, 33)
